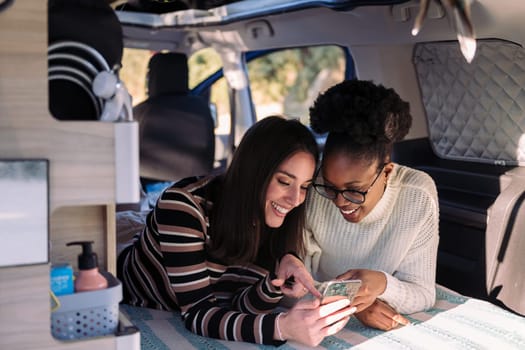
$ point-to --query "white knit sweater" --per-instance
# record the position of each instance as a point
(398, 237)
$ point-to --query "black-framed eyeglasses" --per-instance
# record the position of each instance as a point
(354, 196)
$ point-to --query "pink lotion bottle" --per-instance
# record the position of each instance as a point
(88, 277)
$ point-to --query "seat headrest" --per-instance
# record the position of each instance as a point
(168, 74)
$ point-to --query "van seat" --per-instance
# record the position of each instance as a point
(177, 135)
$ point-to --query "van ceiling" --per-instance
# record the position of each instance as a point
(370, 24)
(166, 6)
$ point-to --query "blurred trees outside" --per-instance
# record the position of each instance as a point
(290, 79)
(134, 72)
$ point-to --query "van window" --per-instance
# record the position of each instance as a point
(202, 65)
(134, 69)
(287, 81)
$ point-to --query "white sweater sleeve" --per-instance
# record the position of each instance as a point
(411, 288)
(313, 252)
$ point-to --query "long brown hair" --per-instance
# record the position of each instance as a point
(237, 223)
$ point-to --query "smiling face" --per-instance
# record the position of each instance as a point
(346, 173)
(288, 186)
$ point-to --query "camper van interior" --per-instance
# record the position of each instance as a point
(104, 103)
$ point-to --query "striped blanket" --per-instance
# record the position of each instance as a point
(455, 322)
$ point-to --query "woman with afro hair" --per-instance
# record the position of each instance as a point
(369, 218)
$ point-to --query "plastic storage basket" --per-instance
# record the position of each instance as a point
(88, 314)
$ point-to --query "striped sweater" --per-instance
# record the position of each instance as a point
(168, 268)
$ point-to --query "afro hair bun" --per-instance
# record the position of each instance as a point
(366, 112)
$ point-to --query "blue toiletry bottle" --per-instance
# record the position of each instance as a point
(61, 276)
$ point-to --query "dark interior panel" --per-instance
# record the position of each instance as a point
(466, 190)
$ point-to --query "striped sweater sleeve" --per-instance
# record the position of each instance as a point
(243, 315)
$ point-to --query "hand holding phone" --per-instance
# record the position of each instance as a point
(338, 289)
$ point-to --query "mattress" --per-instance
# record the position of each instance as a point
(455, 322)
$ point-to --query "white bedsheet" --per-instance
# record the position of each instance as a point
(455, 322)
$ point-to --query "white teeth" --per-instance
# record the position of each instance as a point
(348, 212)
(279, 208)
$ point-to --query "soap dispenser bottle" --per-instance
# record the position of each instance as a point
(89, 277)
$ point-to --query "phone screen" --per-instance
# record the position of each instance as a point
(335, 290)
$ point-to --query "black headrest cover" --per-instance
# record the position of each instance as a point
(168, 74)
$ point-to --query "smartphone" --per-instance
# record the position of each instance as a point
(338, 289)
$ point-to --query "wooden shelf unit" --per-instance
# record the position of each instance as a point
(82, 181)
